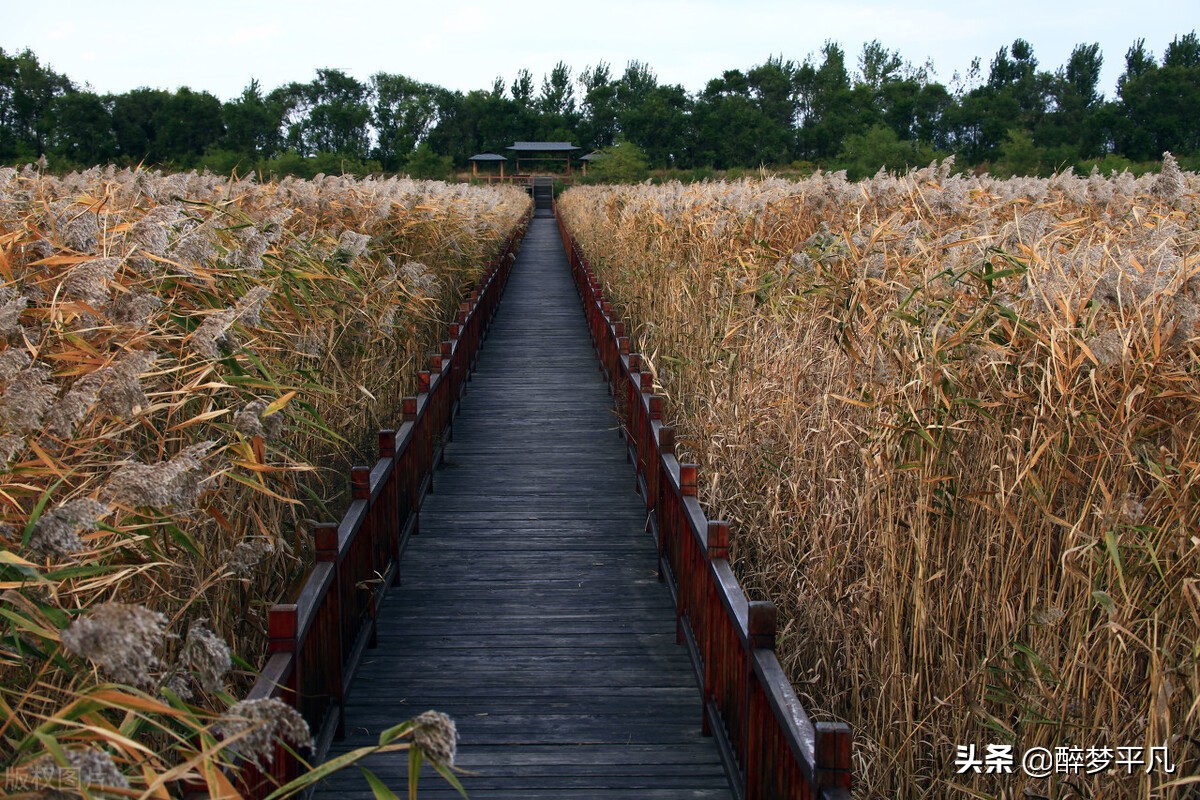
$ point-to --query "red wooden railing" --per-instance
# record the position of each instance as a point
(771, 747)
(317, 640)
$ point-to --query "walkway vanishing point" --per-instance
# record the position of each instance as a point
(523, 596)
(530, 610)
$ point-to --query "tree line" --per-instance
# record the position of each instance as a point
(1013, 117)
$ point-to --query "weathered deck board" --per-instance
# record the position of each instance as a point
(530, 610)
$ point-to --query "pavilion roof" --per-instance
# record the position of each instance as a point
(543, 147)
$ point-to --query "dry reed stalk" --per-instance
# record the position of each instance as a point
(954, 421)
(188, 364)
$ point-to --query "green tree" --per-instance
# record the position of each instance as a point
(661, 126)
(1157, 103)
(475, 122)
(826, 105)
(1015, 96)
(81, 129)
(405, 111)
(1073, 127)
(556, 103)
(623, 162)
(186, 124)
(1020, 156)
(733, 130)
(633, 87)
(253, 124)
(522, 89)
(338, 113)
(772, 87)
(916, 109)
(28, 91)
(428, 165)
(328, 114)
(135, 117)
(863, 154)
(598, 126)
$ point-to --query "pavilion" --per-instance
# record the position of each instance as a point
(595, 155)
(486, 158)
(546, 153)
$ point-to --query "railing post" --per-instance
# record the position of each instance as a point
(283, 626)
(761, 622)
(360, 483)
(666, 440)
(687, 479)
(439, 409)
(656, 406)
(387, 443)
(717, 547)
(325, 539)
(447, 360)
(833, 760)
(360, 489)
(391, 495)
(762, 618)
(425, 430)
(412, 470)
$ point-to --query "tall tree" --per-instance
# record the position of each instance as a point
(825, 104)
(772, 88)
(557, 98)
(633, 87)
(405, 111)
(28, 91)
(598, 125)
(1073, 126)
(1157, 103)
(877, 65)
(135, 116)
(661, 126)
(732, 128)
(522, 89)
(186, 125)
(1015, 97)
(329, 114)
(253, 124)
(81, 129)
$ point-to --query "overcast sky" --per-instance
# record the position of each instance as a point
(218, 45)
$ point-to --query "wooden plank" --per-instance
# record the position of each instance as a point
(530, 609)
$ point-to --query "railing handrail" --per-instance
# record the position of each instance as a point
(367, 540)
(817, 761)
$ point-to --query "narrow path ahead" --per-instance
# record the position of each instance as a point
(530, 611)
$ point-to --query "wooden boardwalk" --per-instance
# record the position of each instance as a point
(530, 609)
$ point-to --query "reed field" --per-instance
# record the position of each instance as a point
(189, 365)
(955, 424)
